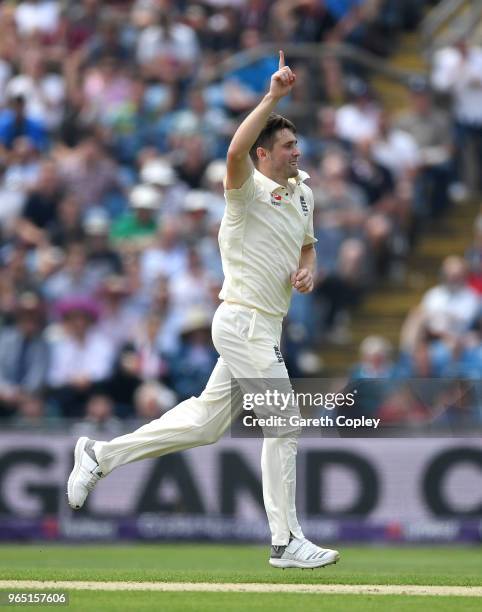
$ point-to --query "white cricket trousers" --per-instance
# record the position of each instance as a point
(248, 342)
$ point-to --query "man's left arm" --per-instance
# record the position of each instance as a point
(303, 279)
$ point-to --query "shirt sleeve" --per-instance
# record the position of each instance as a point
(310, 234)
(236, 199)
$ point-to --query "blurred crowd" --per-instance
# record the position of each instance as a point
(115, 118)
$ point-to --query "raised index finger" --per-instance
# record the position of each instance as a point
(281, 59)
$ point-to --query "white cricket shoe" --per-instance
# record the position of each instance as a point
(302, 553)
(85, 475)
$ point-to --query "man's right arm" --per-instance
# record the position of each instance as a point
(239, 166)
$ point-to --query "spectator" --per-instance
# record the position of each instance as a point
(66, 227)
(375, 359)
(457, 70)
(452, 302)
(167, 41)
(359, 119)
(31, 414)
(118, 321)
(152, 400)
(16, 122)
(339, 291)
(435, 332)
(99, 420)
(107, 90)
(40, 208)
(32, 16)
(159, 173)
(396, 150)
(82, 359)
(24, 166)
(72, 277)
(431, 129)
(138, 226)
(191, 289)
(89, 173)
(191, 366)
(43, 92)
(24, 355)
(102, 259)
(326, 137)
(166, 256)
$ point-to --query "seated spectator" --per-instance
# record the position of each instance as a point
(43, 92)
(67, 226)
(167, 41)
(341, 205)
(139, 359)
(167, 255)
(15, 278)
(452, 300)
(32, 414)
(375, 360)
(152, 400)
(137, 227)
(191, 366)
(192, 157)
(325, 138)
(107, 90)
(340, 290)
(434, 334)
(18, 178)
(160, 174)
(41, 206)
(99, 420)
(82, 23)
(117, 322)
(138, 124)
(81, 360)
(16, 122)
(395, 149)
(72, 276)
(359, 119)
(24, 165)
(32, 17)
(89, 173)
(102, 258)
(374, 179)
(24, 354)
(212, 123)
(105, 39)
(375, 376)
(191, 289)
(195, 219)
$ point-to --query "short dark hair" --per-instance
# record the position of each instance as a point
(267, 136)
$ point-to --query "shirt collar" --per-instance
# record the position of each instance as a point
(273, 185)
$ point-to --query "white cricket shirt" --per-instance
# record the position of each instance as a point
(262, 232)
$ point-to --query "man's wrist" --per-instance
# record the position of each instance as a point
(272, 99)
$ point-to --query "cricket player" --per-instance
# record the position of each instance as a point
(267, 249)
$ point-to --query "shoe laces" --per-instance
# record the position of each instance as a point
(94, 479)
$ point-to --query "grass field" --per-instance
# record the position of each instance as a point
(245, 564)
